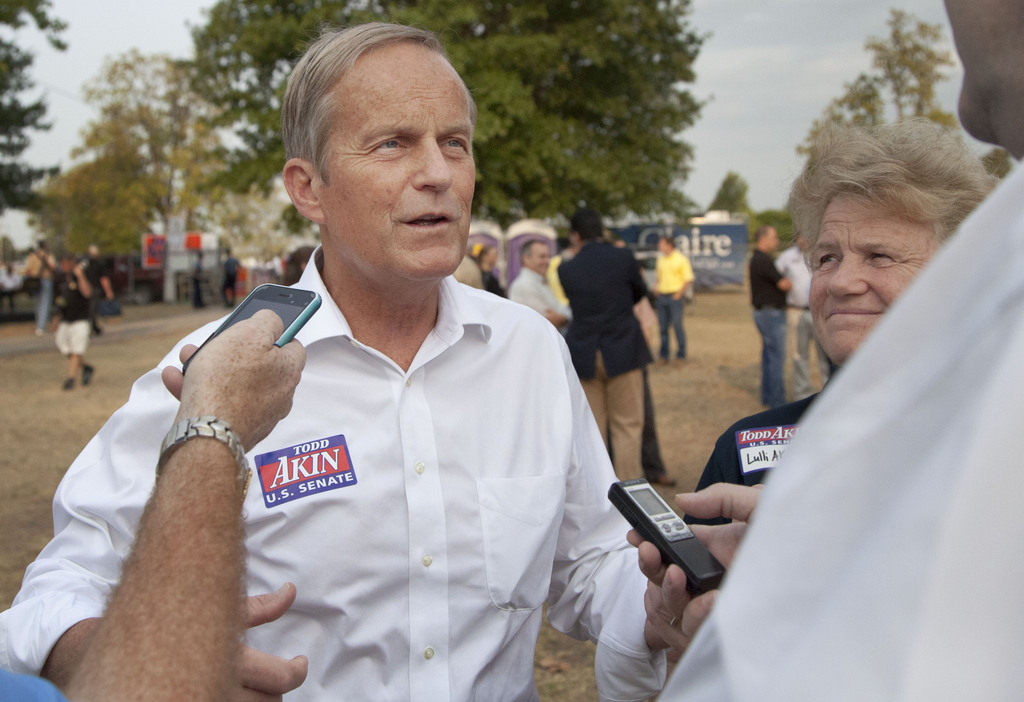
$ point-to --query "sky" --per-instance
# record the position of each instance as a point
(767, 69)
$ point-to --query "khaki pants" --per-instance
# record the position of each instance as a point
(618, 407)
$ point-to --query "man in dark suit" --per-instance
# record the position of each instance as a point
(605, 341)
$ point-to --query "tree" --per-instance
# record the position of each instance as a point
(148, 101)
(908, 65)
(252, 224)
(782, 220)
(16, 118)
(149, 156)
(998, 162)
(8, 251)
(106, 201)
(731, 195)
(579, 102)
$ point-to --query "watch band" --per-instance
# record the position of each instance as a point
(210, 427)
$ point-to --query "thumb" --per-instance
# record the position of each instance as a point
(269, 607)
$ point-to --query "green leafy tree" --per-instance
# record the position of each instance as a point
(998, 162)
(782, 220)
(907, 64)
(148, 157)
(18, 118)
(8, 251)
(148, 101)
(579, 102)
(731, 195)
(251, 224)
(107, 201)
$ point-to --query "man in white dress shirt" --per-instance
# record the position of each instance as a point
(531, 287)
(423, 535)
(792, 264)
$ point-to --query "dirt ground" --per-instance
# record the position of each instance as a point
(43, 428)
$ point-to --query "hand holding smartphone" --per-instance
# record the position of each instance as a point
(292, 305)
(656, 522)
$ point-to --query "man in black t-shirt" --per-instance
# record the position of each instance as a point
(99, 281)
(73, 293)
(768, 290)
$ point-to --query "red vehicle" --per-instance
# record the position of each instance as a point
(131, 282)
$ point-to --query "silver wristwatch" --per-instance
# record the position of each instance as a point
(213, 428)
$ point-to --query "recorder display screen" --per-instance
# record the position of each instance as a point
(648, 499)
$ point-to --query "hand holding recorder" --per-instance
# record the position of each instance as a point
(674, 610)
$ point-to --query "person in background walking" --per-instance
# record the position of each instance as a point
(99, 281)
(768, 290)
(230, 278)
(39, 273)
(75, 326)
(197, 282)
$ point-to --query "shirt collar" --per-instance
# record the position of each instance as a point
(458, 313)
(461, 311)
(536, 276)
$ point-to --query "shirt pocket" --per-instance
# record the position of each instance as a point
(520, 518)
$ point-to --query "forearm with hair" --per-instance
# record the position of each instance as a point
(173, 627)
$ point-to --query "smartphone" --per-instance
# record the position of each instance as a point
(656, 522)
(292, 305)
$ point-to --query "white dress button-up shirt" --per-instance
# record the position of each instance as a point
(424, 516)
(532, 289)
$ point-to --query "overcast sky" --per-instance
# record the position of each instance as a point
(767, 70)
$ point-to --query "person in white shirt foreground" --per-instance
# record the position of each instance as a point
(424, 531)
(884, 561)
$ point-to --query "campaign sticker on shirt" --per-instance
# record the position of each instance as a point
(761, 448)
(305, 469)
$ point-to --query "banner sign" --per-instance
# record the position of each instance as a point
(717, 251)
(154, 246)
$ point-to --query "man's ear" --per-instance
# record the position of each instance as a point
(300, 179)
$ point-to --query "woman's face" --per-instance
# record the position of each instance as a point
(490, 258)
(860, 264)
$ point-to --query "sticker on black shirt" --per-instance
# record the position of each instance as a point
(305, 469)
(761, 448)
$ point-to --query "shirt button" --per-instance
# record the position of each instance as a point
(420, 467)
(408, 382)
(428, 653)
(427, 560)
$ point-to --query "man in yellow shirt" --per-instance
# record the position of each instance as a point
(674, 277)
(567, 251)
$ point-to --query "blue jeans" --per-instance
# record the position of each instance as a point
(44, 299)
(670, 311)
(771, 324)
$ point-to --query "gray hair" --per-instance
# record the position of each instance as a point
(309, 106)
(914, 169)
